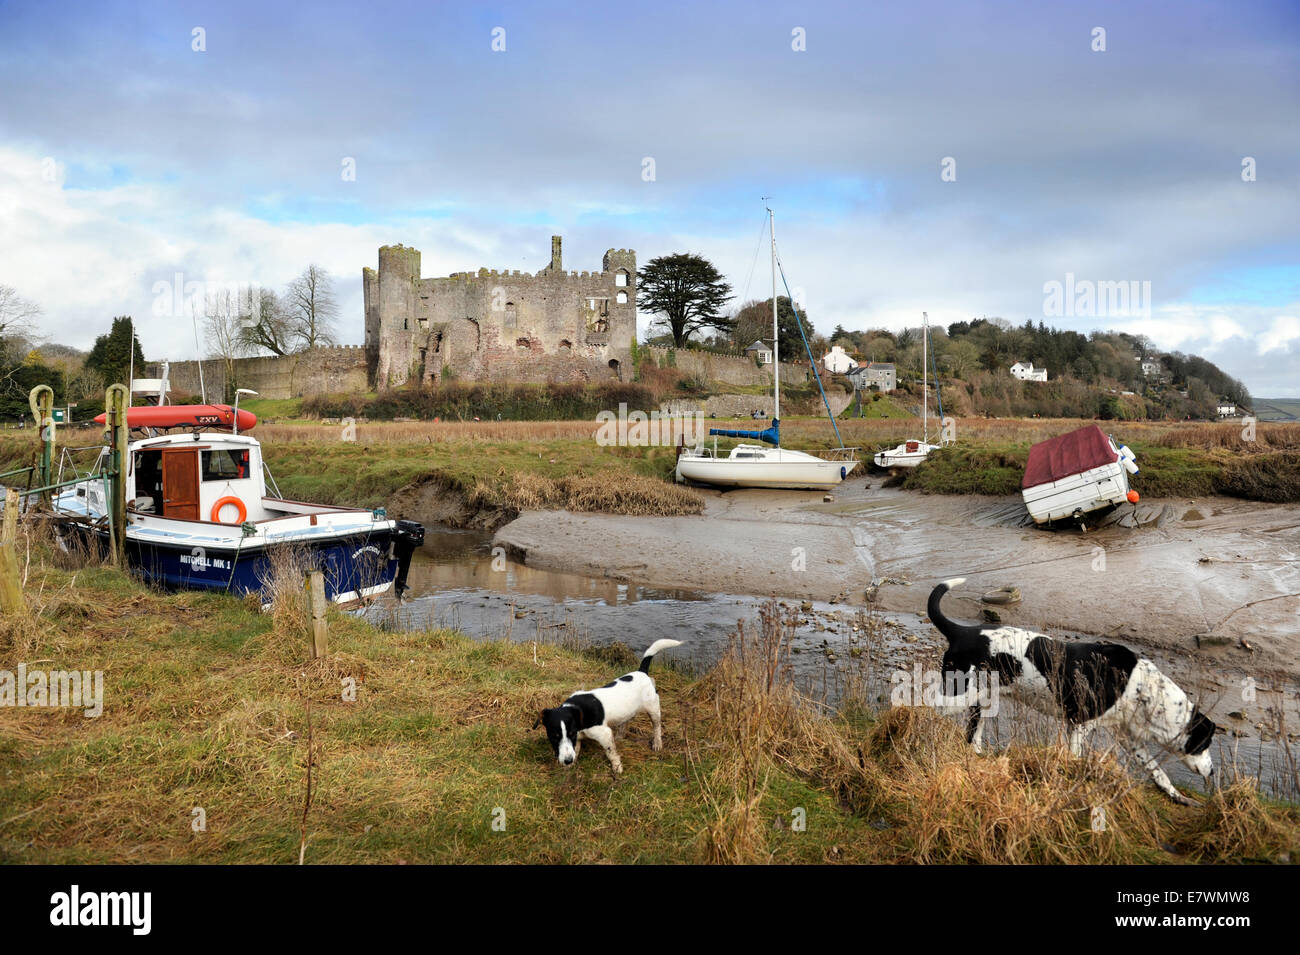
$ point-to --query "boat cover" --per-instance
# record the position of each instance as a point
(1068, 454)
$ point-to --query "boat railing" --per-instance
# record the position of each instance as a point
(839, 454)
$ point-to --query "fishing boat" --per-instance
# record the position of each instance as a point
(911, 453)
(757, 465)
(203, 512)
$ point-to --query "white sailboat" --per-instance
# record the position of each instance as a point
(755, 465)
(911, 453)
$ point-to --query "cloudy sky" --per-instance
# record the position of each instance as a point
(947, 157)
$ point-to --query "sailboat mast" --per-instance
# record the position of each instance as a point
(776, 328)
(925, 376)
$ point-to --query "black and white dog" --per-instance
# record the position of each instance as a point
(1088, 684)
(597, 714)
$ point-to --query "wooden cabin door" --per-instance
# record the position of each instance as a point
(181, 484)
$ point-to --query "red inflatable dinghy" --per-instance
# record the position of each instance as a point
(185, 416)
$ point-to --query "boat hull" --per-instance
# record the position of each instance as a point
(354, 567)
(795, 474)
(901, 457)
(1073, 496)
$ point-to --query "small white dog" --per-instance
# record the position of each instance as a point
(597, 714)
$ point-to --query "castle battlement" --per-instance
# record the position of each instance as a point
(551, 325)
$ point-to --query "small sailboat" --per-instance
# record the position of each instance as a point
(911, 453)
(756, 465)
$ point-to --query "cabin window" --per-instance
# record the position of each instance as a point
(225, 464)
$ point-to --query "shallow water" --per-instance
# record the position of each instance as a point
(458, 581)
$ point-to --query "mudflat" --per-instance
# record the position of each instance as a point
(1216, 578)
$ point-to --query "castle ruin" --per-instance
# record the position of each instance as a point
(498, 326)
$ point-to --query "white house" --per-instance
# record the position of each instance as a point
(1227, 408)
(1025, 371)
(837, 360)
(1151, 367)
(761, 350)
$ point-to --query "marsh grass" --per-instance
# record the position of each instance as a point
(206, 706)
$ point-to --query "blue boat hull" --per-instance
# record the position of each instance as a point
(353, 566)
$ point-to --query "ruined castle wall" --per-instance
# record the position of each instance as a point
(552, 326)
(729, 369)
(340, 368)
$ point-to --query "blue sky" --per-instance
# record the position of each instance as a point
(127, 157)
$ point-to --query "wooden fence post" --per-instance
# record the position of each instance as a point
(316, 603)
(11, 585)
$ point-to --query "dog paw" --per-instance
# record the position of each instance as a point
(657, 745)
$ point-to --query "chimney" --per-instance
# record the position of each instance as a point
(556, 264)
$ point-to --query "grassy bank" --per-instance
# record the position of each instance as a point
(211, 705)
(487, 470)
(1191, 461)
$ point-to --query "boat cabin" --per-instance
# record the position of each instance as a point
(198, 477)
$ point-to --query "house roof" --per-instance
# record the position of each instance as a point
(758, 344)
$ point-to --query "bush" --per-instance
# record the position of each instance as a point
(488, 402)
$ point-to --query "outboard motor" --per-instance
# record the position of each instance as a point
(407, 536)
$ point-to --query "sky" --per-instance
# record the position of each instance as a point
(953, 158)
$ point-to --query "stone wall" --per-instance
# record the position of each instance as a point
(729, 369)
(340, 368)
(743, 406)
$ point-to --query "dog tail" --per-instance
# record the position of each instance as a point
(951, 629)
(655, 648)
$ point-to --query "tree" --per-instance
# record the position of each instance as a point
(223, 329)
(961, 358)
(311, 306)
(264, 323)
(111, 357)
(18, 318)
(688, 291)
(754, 322)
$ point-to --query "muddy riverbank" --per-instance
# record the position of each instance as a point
(1200, 576)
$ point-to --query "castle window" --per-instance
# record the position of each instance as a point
(620, 278)
(424, 322)
(566, 345)
(522, 342)
(512, 315)
(621, 298)
(406, 324)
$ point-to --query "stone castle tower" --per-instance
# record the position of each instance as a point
(498, 326)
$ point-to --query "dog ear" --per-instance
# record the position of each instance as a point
(540, 716)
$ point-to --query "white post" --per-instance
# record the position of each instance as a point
(925, 376)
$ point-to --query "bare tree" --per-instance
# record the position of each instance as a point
(264, 322)
(312, 308)
(18, 318)
(223, 327)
